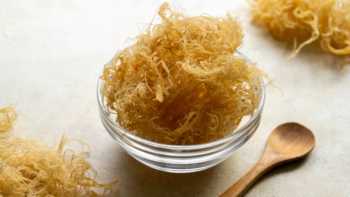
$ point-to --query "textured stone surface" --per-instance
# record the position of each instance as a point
(51, 53)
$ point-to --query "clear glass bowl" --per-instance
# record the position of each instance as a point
(179, 158)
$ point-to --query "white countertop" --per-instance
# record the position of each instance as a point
(52, 51)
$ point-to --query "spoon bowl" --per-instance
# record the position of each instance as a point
(291, 140)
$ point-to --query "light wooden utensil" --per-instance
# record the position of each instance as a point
(287, 142)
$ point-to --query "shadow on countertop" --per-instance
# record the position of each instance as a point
(138, 180)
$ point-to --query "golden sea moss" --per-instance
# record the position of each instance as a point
(337, 38)
(7, 117)
(179, 83)
(29, 168)
(292, 20)
(306, 21)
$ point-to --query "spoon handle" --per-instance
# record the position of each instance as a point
(241, 186)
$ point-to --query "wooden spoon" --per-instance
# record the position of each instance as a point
(287, 142)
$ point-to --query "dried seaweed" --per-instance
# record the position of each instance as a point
(180, 83)
(29, 168)
(306, 21)
(337, 37)
(7, 117)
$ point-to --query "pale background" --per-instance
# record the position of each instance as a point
(52, 51)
